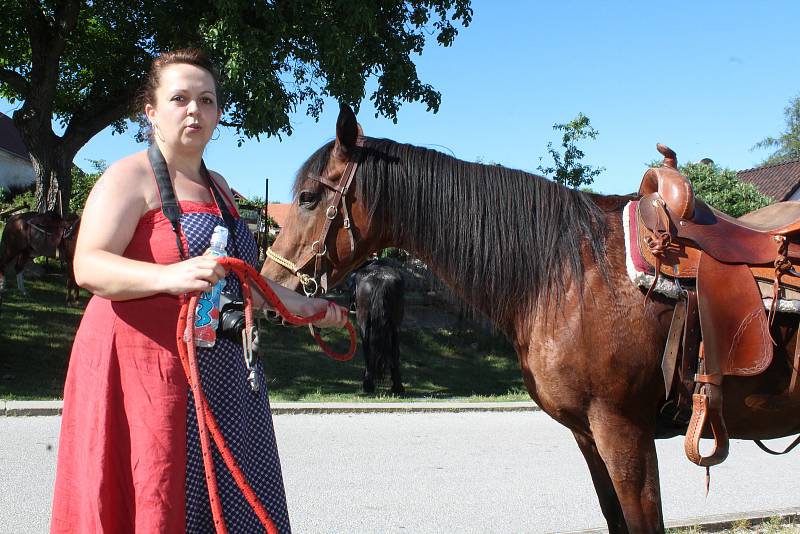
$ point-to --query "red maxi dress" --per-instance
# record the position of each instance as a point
(129, 456)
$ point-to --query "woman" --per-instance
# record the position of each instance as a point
(129, 454)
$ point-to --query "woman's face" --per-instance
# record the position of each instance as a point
(185, 112)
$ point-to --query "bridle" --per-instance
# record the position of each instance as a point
(319, 248)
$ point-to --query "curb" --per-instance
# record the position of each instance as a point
(12, 408)
(718, 523)
(399, 407)
(22, 408)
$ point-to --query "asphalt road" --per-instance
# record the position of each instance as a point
(431, 473)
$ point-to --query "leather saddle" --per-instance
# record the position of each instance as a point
(720, 326)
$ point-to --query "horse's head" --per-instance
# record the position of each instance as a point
(326, 234)
(45, 231)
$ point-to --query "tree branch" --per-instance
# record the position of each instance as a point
(92, 118)
(15, 80)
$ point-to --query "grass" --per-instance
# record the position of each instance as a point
(35, 337)
(773, 525)
(437, 363)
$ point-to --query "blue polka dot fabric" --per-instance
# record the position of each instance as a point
(243, 415)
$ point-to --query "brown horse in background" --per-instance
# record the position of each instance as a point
(31, 234)
(547, 265)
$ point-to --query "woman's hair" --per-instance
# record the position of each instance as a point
(188, 56)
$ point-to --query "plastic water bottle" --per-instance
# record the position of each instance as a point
(206, 317)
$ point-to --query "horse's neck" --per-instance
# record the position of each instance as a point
(433, 260)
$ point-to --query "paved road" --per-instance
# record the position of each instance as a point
(430, 473)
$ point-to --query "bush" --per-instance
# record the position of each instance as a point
(82, 184)
(722, 189)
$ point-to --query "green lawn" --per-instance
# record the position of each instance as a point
(36, 335)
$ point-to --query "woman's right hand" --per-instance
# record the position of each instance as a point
(195, 274)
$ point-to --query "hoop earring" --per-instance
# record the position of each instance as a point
(158, 134)
(216, 131)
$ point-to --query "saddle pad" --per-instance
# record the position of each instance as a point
(641, 273)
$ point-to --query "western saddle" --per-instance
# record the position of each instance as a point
(720, 326)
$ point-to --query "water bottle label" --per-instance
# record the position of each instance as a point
(203, 312)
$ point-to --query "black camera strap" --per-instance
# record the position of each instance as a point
(169, 203)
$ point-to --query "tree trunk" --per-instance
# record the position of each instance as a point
(53, 171)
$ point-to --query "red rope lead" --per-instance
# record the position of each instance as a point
(207, 424)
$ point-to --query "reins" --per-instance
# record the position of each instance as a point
(206, 422)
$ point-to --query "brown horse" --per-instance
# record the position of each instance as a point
(25, 235)
(40, 234)
(547, 265)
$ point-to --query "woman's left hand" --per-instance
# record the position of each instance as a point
(335, 315)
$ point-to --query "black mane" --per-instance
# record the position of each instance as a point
(504, 237)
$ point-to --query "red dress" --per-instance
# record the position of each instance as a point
(120, 348)
(122, 459)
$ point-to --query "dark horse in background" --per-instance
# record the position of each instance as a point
(547, 265)
(379, 295)
(39, 234)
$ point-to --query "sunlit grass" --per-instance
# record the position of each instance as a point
(438, 364)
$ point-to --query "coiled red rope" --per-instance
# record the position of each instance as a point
(206, 422)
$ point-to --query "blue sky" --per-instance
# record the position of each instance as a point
(709, 79)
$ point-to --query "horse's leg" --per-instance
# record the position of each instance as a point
(629, 452)
(603, 485)
(368, 384)
(397, 381)
(72, 287)
(19, 268)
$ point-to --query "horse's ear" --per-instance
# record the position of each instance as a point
(347, 131)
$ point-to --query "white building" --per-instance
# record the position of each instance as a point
(15, 163)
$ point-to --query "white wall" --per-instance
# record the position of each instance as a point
(15, 171)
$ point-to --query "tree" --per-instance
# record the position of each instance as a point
(568, 170)
(722, 189)
(788, 143)
(81, 63)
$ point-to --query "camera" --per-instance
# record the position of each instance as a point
(231, 317)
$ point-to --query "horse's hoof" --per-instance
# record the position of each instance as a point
(369, 387)
(398, 388)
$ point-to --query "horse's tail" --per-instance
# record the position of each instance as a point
(383, 316)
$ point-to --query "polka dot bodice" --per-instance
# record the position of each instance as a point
(243, 414)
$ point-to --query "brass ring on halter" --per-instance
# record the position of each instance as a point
(331, 214)
(315, 248)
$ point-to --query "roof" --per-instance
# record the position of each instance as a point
(279, 212)
(777, 181)
(10, 139)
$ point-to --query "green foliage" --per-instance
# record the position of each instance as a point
(722, 189)
(787, 145)
(26, 198)
(568, 169)
(394, 253)
(82, 184)
(273, 57)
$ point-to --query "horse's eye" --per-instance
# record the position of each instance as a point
(308, 199)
